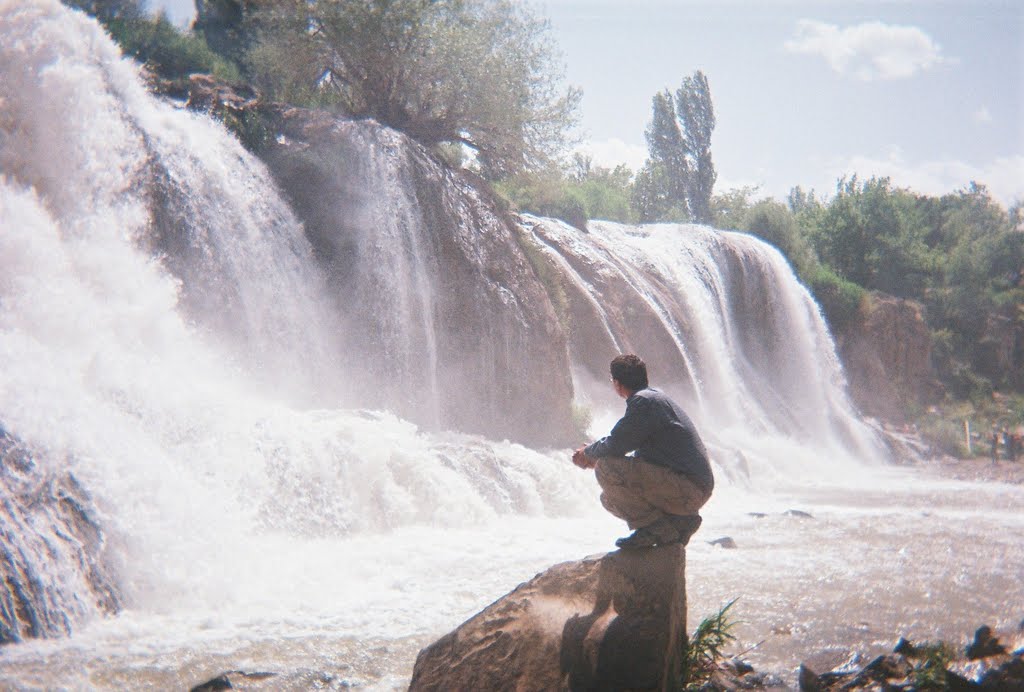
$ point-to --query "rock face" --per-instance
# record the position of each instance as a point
(613, 622)
(1001, 353)
(887, 357)
(51, 549)
(452, 325)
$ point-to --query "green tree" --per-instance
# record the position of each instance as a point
(167, 50)
(979, 282)
(774, 223)
(697, 114)
(107, 10)
(652, 196)
(667, 171)
(679, 174)
(874, 235)
(477, 72)
(223, 24)
(730, 208)
(589, 192)
(155, 41)
(605, 192)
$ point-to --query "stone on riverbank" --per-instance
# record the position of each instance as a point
(611, 622)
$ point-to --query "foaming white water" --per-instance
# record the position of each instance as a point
(726, 327)
(160, 318)
(123, 175)
(912, 556)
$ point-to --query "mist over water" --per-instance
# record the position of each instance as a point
(165, 356)
(167, 337)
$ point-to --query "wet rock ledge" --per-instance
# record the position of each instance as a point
(52, 570)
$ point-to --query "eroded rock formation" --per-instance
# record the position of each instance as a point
(612, 622)
(886, 354)
(51, 567)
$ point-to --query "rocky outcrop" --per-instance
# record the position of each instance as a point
(987, 665)
(51, 569)
(443, 320)
(886, 353)
(613, 622)
(451, 323)
(1000, 354)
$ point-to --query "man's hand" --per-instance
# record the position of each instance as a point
(580, 458)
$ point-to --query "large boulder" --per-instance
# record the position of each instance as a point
(886, 353)
(610, 622)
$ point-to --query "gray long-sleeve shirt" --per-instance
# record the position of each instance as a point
(660, 432)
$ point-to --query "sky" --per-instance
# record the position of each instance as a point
(927, 92)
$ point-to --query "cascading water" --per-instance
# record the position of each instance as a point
(443, 319)
(166, 323)
(162, 318)
(726, 327)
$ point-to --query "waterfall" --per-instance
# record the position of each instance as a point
(165, 334)
(189, 355)
(445, 321)
(724, 325)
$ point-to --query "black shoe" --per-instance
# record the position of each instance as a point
(686, 526)
(641, 538)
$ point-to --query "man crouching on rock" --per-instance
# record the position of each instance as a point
(658, 490)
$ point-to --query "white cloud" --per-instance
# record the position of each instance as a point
(609, 153)
(982, 115)
(868, 51)
(1004, 176)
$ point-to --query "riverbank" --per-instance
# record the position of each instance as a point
(976, 469)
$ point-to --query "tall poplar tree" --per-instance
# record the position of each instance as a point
(697, 115)
(679, 176)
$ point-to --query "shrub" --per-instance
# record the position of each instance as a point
(932, 661)
(840, 300)
(703, 652)
(167, 51)
(944, 435)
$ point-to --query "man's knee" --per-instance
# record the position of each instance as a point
(611, 471)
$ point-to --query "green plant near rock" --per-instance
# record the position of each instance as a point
(582, 417)
(169, 52)
(942, 425)
(705, 648)
(931, 660)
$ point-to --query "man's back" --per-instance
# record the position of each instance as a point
(658, 431)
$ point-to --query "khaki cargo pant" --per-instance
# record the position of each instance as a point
(642, 493)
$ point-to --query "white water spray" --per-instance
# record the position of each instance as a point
(725, 326)
(159, 355)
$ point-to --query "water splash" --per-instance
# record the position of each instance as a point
(163, 331)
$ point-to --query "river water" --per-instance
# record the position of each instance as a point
(894, 553)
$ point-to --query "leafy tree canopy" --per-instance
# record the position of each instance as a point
(106, 10)
(155, 41)
(587, 192)
(874, 235)
(482, 73)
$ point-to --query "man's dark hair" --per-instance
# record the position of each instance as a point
(630, 371)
